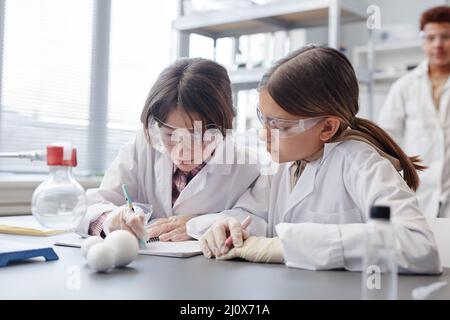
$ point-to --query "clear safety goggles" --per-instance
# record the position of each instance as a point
(165, 137)
(287, 128)
(429, 37)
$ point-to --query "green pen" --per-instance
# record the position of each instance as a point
(142, 243)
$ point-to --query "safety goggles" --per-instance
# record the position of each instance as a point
(165, 137)
(429, 37)
(287, 128)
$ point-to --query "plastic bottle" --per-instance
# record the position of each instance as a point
(379, 273)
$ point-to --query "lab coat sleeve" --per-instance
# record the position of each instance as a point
(93, 212)
(254, 203)
(392, 115)
(328, 246)
(109, 195)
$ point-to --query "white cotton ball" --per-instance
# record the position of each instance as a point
(88, 243)
(101, 257)
(125, 245)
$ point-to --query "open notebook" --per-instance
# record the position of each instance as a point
(26, 226)
(180, 249)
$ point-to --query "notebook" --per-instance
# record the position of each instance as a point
(182, 249)
(26, 226)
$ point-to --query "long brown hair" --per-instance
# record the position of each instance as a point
(320, 81)
(196, 85)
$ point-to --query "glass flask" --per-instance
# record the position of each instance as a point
(60, 201)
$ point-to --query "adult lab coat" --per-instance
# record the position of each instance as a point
(411, 118)
(148, 174)
(321, 222)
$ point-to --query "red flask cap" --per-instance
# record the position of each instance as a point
(55, 157)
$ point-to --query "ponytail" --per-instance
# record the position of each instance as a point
(410, 165)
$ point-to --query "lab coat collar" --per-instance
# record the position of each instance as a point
(196, 185)
(327, 148)
(302, 190)
(325, 152)
(421, 72)
(422, 69)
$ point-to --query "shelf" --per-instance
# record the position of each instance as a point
(384, 50)
(246, 79)
(284, 15)
(388, 75)
(363, 75)
(407, 45)
(360, 53)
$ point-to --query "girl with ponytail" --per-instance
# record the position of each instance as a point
(334, 166)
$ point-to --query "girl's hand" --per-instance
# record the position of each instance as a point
(212, 242)
(124, 218)
(170, 229)
(257, 249)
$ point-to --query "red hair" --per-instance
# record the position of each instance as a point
(439, 14)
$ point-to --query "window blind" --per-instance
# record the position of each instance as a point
(47, 74)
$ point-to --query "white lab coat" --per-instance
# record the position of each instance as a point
(148, 174)
(321, 222)
(411, 118)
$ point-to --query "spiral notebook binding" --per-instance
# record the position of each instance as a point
(153, 239)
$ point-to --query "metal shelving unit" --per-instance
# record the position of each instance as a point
(413, 48)
(245, 79)
(278, 16)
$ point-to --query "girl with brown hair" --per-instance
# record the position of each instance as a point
(334, 166)
(170, 164)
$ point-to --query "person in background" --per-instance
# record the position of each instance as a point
(416, 113)
(161, 165)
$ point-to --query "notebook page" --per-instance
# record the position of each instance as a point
(169, 249)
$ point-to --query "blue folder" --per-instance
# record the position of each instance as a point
(15, 251)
